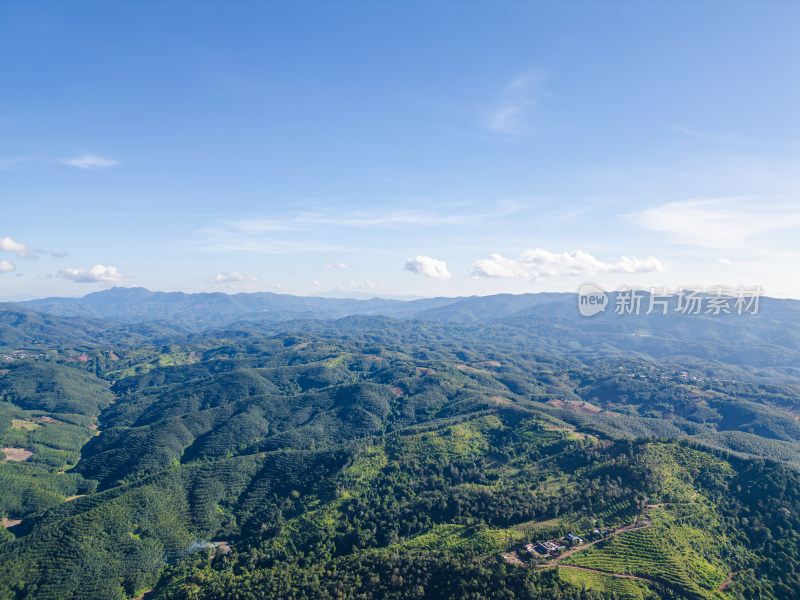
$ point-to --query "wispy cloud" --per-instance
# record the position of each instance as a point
(720, 222)
(90, 162)
(6, 266)
(321, 230)
(22, 250)
(228, 238)
(509, 113)
(377, 218)
(430, 267)
(539, 264)
(726, 138)
(340, 265)
(96, 274)
(12, 163)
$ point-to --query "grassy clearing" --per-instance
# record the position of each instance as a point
(530, 527)
(364, 470)
(458, 539)
(174, 358)
(462, 440)
(625, 589)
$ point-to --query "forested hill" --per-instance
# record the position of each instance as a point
(763, 342)
(392, 456)
(214, 309)
(203, 310)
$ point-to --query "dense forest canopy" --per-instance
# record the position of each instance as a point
(258, 446)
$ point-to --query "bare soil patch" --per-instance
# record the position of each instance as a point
(727, 582)
(788, 412)
(577, 406)
(10, 522)
(512, 559)
(570, 430)
(221, 548)
(16, 454)
(501, 400)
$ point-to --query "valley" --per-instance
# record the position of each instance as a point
(369, 456)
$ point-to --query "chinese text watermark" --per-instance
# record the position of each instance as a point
(714, 300)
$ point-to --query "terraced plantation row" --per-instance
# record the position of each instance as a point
(650, 553)
(625, 589)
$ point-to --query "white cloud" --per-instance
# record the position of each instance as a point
(90, 161)
(59, 254)
(22, 250)
(6, 266)
(509, 114)
(720, 222)
(539, 264)
(97, 274)
(724, 261)
(10, 245)
(233, 277)
(340, 265)
(430, 267)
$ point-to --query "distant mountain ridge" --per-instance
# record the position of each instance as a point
(201, 310)
(767, 342)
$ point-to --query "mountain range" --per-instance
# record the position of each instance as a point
(206, 446)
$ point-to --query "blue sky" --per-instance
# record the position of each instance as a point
(420, 148)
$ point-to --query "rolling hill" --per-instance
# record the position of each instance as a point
(385, 456)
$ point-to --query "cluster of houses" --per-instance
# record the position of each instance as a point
(17, 355)
(535, 552)
(544, 549)
(681, 376)
(22, 355)
(574, 539)
(554, 547)
(557, 547)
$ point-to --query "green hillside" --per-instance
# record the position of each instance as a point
(377, 458)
